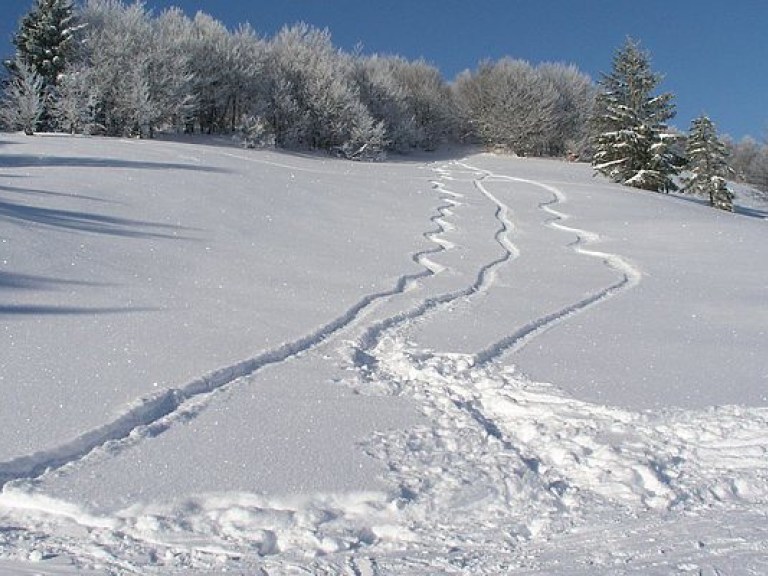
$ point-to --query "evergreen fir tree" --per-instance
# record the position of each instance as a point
(45, 39)
(631, 142)
(707, 162)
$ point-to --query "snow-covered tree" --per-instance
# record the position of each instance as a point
(169, 74)
(572, 109)
(428, 100)
(74, 109)
(509, 105)
(117, 43)
(527, 110)
(632, 143)
(385, 99)
(45, 39)
(313, 101)
(756, 172)
(708, 165)
(24, 99)
(226, 74)
(749, 159)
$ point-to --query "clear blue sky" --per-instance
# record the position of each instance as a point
(714, 53)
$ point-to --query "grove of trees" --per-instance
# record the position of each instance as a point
(113, 68)
(110, 67)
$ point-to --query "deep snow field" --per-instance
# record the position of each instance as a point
(216, 360)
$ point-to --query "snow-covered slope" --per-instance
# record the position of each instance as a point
(225, 360)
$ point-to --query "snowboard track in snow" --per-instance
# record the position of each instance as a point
(630, 276)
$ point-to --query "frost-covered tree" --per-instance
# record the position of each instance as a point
(632, 143)
(575, 98)
(749, 159)
(24, 99)
(708, 165)
(74, 109)
(312, 98)
(169, 74)
(509, 105)
(248, 93)
(139, 72)
(307, 93)
(528, 110)
(118, 41)
(386, 100)
(226, 74)
(756, 172)
(428, 100)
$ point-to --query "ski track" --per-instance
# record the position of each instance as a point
(630, 275)
(484, 279)
(503, 469)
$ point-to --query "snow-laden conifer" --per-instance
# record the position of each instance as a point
(45, 39)
(633, 145)
(708, 165)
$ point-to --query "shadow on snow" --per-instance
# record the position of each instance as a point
(12, 281)
(37, 191)
(88, 222)
(43, 310)
(32, 161)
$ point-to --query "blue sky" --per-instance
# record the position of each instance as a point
(714, 54)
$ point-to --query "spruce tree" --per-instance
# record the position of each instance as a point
(45, 39)
(708, 165)
(631, 141)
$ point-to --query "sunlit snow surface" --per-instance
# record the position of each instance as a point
(218, 360)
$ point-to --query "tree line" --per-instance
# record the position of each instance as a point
(111, 68)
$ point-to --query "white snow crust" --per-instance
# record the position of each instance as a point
(225, 361)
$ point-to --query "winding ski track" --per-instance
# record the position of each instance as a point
(629, 276)
(484, 279)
